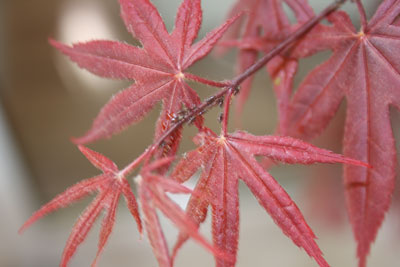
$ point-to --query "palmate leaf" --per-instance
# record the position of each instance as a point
(267, 25)
(364, 69)
(110, 185)
(152, 192)
(158, 68)
(226, 159)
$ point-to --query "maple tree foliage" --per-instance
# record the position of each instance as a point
(158, 68)
(109, 185)
(265, 26)
(152, 192)
(226, 158)
(363, 69)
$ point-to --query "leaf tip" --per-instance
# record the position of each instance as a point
(78, 140)
(357, 163)
(22, 229)
(82, 148)
(85, 139)
(53, 42)
(58, 45)
(29, 222)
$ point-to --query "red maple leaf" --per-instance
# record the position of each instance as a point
(266, 26)
(152, 192)
(158, 68)
(364, 69)
(109, 185)
(225, 160)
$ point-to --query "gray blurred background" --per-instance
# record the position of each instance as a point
(45, 99)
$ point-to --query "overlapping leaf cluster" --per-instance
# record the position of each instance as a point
(362, 69)
(266, 25)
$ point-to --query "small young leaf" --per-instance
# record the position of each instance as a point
(110, 186)
(152, 191)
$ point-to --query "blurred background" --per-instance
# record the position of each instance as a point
(45, 99)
